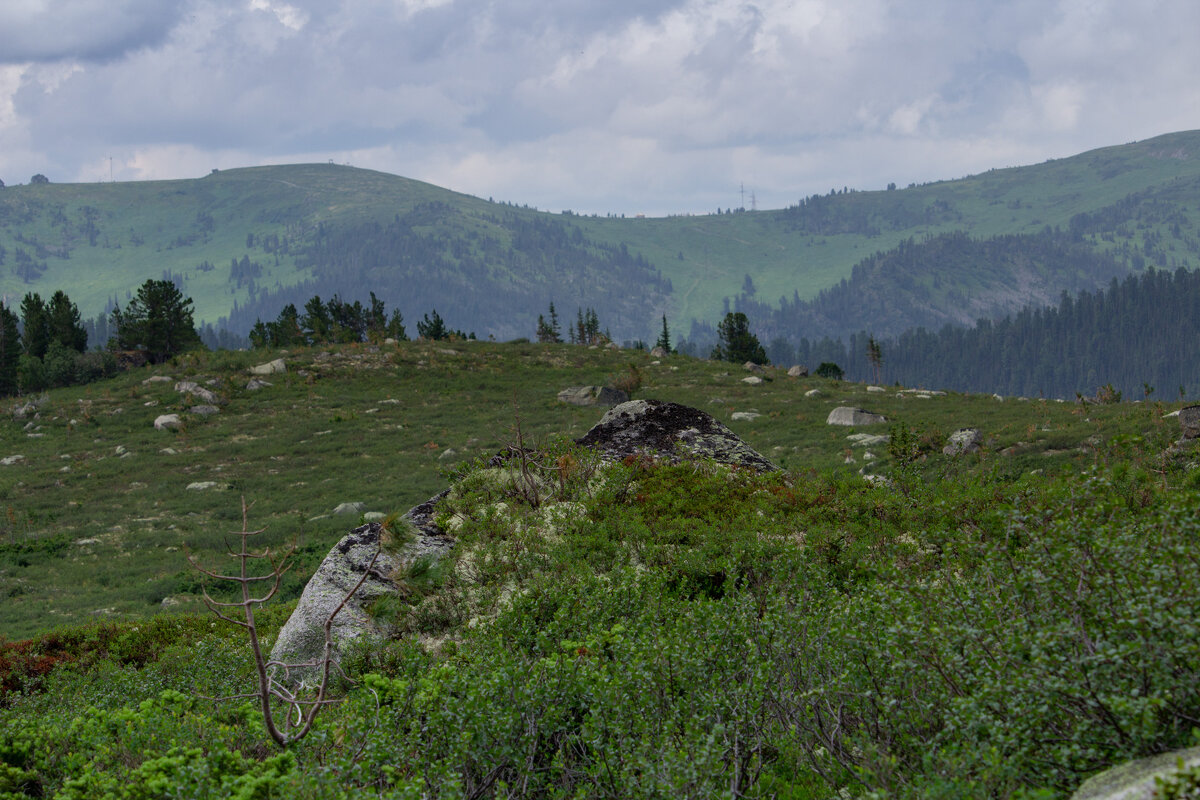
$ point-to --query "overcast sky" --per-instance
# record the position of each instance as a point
(626, 106)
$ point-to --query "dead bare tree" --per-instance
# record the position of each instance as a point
(300, 705)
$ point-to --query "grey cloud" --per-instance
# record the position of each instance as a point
(84, 30)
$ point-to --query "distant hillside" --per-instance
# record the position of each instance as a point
(244, 242)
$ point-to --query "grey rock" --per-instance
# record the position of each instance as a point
(854, 417)
(963, 440)
(659, 352)
(876, 389)
(200, 486)
(798, 371)
(302, 638)
(757, 369)
(592, 396)
(25, 410)
(167, 422)
(196, 390)
(374, 516)
(753, 380)
(813, 393)
(8, 461)
(745, 416)
(204, 410)
(670, 431)
(157, 379)
(1189, 422)
(350, 508)
(1134, 780)
(255, 384)
(868, 439)
(269, 368)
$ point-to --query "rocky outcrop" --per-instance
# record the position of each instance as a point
(669, 431)
(302, 638)
(1135, 780)
(197, 391)
(592, 396)
(1189, 422)
(854, 417)
(797, 371)
(639, 427)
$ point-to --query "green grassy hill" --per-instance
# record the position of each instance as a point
(1004, 623)
(98, 510)
(418, 245)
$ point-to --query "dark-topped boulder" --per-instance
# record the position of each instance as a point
(1189, 422)
(670, 431)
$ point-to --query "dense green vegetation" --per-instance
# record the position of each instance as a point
(998, 624)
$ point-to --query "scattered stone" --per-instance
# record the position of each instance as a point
(868, 439)
(449, 452)
(157, 379)
(757, 369)
(200, 486)
(753, 380)
(255, 384)
(85, 542)
(269, 368)
(169, 601)
(938, 394)
(798, 371)
(878, 480)
(196, 390)
(963, 440)
(1135, 780)
(390, 340)
(998, 397)
(1189, 422)
(659, 352)
(612, 346)
(374, 516)
(204, 410)
(27, 410)
(10, 460)
(120, 450)
(745, 416)
(592, 396)
(813, 393)
(854, 417)
(876, 389)
(169, 451)
(869, 456)
(167, 422)
(34, 435)
(150, 403)
(446, 352)
(350, 508)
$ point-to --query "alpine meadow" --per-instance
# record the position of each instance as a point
(319, 482)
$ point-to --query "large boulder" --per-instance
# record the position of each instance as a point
(197, 391)
(1189, 422)
(670, 431)
(592, 396)
(853, 417)
(963, 440)
(302, 638)
(1135, 780)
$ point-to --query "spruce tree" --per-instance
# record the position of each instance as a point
(10, 351)
(736, 342)
(664, 338)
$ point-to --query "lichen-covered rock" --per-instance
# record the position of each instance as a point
(1189, 422)
(197, 391)
(1134, 780)
(670, 431)
(963, 440)
(302, 638)
(165, 422)
(797, 371)
(592, 396)
(854, 417)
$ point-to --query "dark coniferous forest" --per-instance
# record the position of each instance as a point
(1140, 335)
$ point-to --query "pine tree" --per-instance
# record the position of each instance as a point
(664, 338)
(64, 323)
(874, 356)
(35, 325)
(157, 320)
(736, 342)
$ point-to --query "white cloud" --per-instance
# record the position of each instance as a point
(625, 105)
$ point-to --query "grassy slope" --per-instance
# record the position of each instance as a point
(88, 530)
(717, 251)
